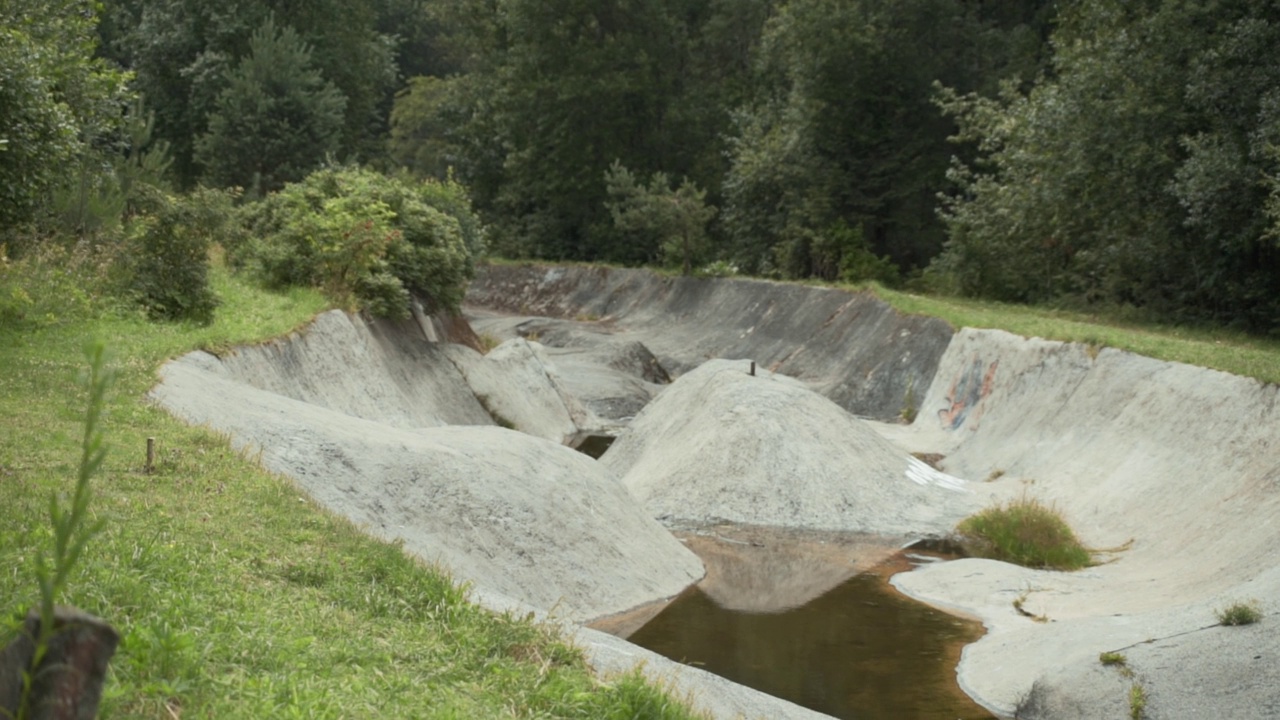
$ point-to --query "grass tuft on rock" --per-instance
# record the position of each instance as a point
(1024, 532)
(1240, 613)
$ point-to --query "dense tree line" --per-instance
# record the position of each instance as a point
(809, 123)
(1095, 152)
(1143, 170)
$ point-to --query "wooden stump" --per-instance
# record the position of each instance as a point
(68, 683)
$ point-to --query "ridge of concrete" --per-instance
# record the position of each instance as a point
(855, 349)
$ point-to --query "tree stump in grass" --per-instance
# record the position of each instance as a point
(68, 683)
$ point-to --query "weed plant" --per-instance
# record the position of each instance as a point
(1240, 613)
(67, 520)
(1025, 532)
(235, 595)
(1112, 658)
(1137, 701)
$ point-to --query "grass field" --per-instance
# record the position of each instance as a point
(236, 596)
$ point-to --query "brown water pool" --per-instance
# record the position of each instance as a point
(829, 633)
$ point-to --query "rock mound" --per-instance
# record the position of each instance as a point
(519, 386)
(720, 445)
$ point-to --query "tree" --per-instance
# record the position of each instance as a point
(842, 131)
(420, 132)
(276, 119)
(556, 91)
(673, 221)
(56, 101)
(182, 51)
(1135, 173)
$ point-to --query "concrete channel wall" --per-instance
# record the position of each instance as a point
(859, 352)
(1171, 472)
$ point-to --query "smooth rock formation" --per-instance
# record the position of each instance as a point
(376, 370)
(514, 514)
(865, 356)
(720, 445)
(520, 388)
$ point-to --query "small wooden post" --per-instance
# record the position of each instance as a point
(151, 456)
(753, 368)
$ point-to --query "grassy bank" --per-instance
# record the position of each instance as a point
(235, 595)
(1217, 348)
(1220, 349)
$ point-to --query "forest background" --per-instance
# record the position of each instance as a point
(1099, 154)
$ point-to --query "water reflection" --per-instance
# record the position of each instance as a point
(859, 650)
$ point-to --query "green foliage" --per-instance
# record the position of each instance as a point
(56, 99)
(184, 52)
(365, 238)
(674, 221)
(54, 284)
(1137, 701)
(72, 530)
(1151, 193)
(450, 197)
(556, 92)
(168, 244)
(1024, 532)
(841, 132)
(419, 139)
(109, 183)
(1240, 613)
(1112, 659)
(276, 119)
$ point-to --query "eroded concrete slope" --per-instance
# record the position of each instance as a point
(1177, 465)
(518, 516)
(856, 350)
(376, 370)
(1177, 468)
(722, 445)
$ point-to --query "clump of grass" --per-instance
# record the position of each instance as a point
(1137, 701)
(1240, 613)
(488, 342)
(1024, 532)
(1112, 659)
(909, 409)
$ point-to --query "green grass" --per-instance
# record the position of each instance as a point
(1137, 701)
(1025, 532)
(236, 596)
(1240, 613)
(1220, 349)
(1112, 658)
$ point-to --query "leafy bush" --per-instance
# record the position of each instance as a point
(168, 257)
(1025, 532)
(366, 239)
